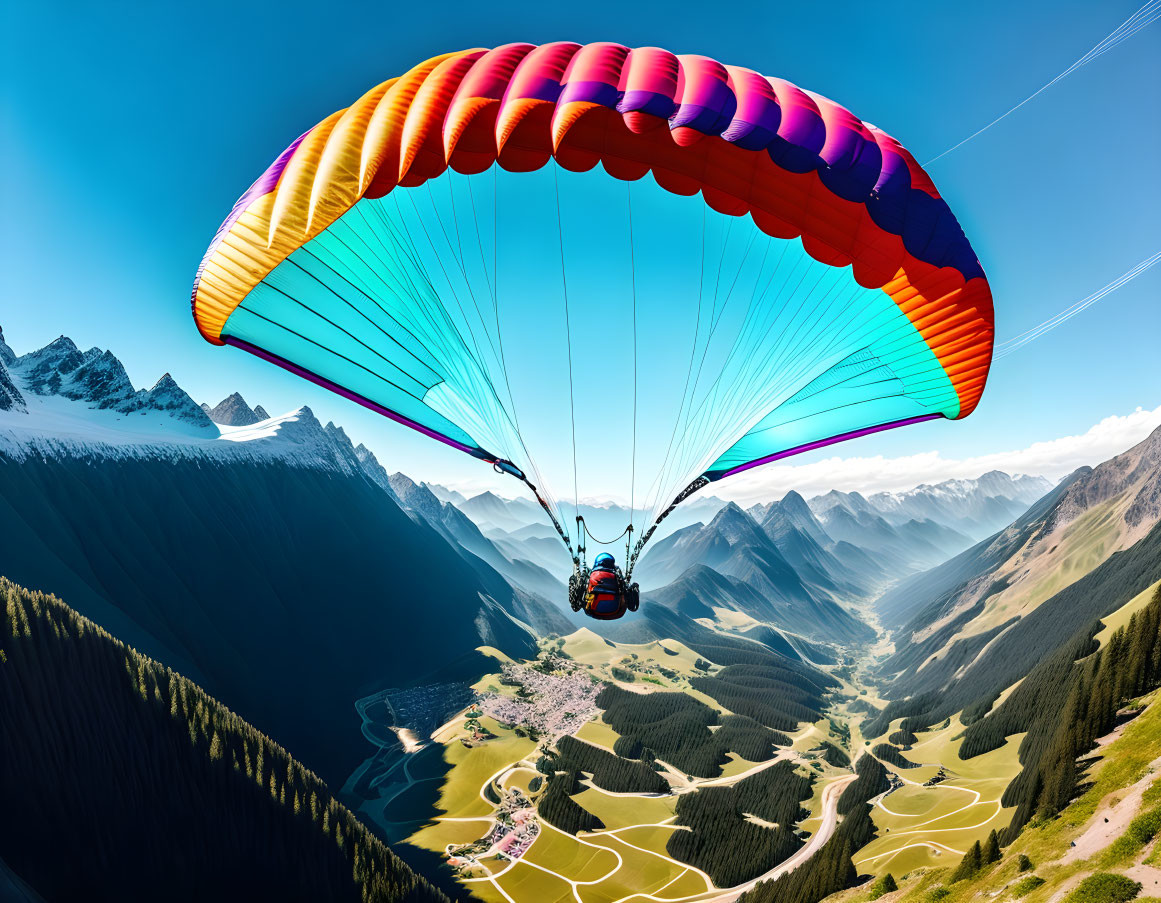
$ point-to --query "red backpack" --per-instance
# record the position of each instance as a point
(603, 598)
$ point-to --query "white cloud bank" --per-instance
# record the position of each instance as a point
(1053, 459)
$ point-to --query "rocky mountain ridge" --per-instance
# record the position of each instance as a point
(1098, 519)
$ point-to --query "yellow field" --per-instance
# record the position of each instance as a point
(736, 765)
(519, 779)
(562, 854)
(1124, 762)
(640, 872)
(524, 882)
(933, 826)
(1120, 617)
(437, 835)
(623, 811)
(596, 731)
(653, 838)
(460, 794)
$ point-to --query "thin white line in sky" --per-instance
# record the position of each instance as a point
(1003, 349)
(1142, 18)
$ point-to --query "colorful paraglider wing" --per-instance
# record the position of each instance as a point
(313, 272)
(892, 381)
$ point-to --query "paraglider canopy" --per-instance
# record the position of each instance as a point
(787, 275)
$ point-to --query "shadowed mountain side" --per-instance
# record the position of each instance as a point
(463, 535)
(1013, 649)
(123, 781)
(10, 397)
(286, 591)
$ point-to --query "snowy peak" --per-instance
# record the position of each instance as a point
(300, 428)
(82, 404)
(97, 379)
(10, 397)
(976, 508)
(44, 370)
(100, 381)
(233, 411)
(168, 397)
(7, 355)
(416, 497)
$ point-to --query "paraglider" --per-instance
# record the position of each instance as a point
(603, 592)
(829, 290)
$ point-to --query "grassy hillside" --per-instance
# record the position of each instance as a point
(1096, 849)
(122, 780)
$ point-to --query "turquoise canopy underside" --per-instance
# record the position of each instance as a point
(376, 306)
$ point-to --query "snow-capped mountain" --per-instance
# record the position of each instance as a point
(975, 508)
(7, 355)
(988, 503)
(233, 411)
(97, 379)
(10, 397)
(271, 561)
(61, 400)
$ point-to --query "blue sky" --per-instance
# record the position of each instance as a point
(131, 128)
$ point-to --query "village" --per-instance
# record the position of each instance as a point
(552, 698)
(510, 837)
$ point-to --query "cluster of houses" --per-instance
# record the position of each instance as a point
(551, 703)
(510, 837)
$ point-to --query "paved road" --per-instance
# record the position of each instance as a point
(830, 797)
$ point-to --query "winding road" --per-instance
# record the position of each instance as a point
(830, 798)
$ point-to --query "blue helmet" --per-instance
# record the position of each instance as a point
(604, 561)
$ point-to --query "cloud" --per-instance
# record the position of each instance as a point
(1053, 459)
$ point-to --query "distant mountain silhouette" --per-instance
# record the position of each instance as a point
(732, 563)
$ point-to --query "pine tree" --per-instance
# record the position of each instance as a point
(969, 865)
(883, 885)
(991, 851)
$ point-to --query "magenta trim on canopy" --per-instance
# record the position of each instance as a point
(822, 443)
(355, 397)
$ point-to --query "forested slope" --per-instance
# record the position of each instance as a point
(287, 592)
(121, 780)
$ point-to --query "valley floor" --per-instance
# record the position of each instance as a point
(473, 768)
(626, 861)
